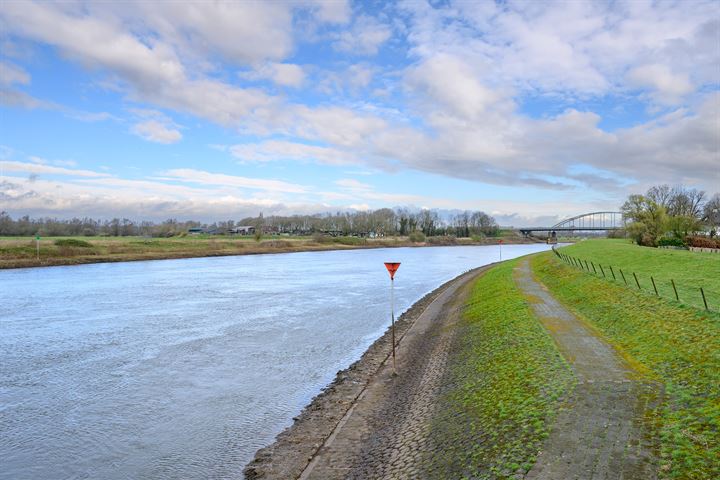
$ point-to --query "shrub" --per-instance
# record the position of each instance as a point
(417, 237)
(478, 237)
(321, 238)
(350, 240)
(670, 242)
(445, 240)
(72, 242)
(703, 242)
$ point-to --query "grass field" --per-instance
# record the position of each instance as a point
(676, 344)
(21, 251)
(689, 270)
(509, 379)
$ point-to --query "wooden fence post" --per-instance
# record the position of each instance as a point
(704, 301)
(613, 273)
(653, 282)
(602, 270)
(623, 275)
(593, 265)
(675, 289)
(636, 281)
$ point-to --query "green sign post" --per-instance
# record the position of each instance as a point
(37, 244)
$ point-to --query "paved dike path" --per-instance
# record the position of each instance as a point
(605, 430)
(370, 424)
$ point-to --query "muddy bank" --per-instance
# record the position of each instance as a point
(297, 445)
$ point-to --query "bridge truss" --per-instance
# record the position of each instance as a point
(593, 221)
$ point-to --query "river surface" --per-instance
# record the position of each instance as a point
(182, 369)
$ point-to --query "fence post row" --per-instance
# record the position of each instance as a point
(583, 264)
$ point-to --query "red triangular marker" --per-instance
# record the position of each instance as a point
(392, 268)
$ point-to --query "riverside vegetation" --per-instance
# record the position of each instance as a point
(21, 251)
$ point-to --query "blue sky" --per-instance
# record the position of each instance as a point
(211, 111)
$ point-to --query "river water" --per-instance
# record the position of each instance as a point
(184, 368)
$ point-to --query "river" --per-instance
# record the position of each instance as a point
(184, 368)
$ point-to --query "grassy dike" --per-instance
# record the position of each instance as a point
(508, 380)
(689, 270)
(675, 344)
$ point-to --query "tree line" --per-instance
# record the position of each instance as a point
(667, 215)
(381, 222)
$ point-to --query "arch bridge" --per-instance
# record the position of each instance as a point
(593, 221)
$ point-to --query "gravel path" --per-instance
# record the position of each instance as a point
(386, 433)
(607, 430)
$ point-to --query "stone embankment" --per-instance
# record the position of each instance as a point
(331, 438)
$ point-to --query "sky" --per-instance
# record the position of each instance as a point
(531, 111)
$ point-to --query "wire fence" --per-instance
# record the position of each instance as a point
(695, 295)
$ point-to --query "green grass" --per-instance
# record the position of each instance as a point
(689, 270)
(72, 242)
(677, 345)
(509, 380)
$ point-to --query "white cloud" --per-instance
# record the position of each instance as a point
(667, 87)
(353, 184)
(11, 74)
(39, 168)
(284, 74)
(452, 85)
(364, 38)
(155, 131)
(331, 11)
(274, 150)
(207, 178)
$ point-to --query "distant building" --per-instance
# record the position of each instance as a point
(243, 230)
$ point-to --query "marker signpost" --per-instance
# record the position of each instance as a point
(392, 267)
(500, 242)
(37, 245)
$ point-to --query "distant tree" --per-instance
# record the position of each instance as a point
(645, 220)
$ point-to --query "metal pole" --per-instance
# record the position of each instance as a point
(653, 282)
(392, 314)
(623, 275)
(37, 244)
(673, 284)
(636, 281)
(613, 273)
(602, 270)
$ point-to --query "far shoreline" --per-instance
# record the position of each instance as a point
(69, 256)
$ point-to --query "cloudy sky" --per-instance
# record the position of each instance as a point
(210, 111)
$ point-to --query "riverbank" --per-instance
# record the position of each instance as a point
(474, 396)
(22, 252)
(525, 369)
(296, 447)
